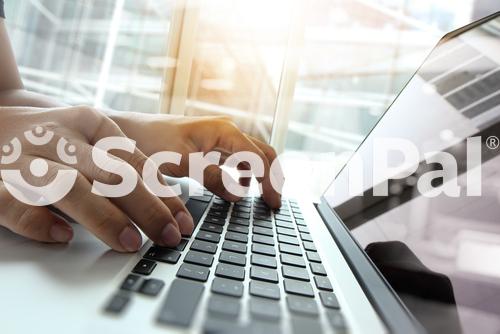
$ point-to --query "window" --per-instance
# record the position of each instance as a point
(108, 53)
(323, 70)
(357, 55)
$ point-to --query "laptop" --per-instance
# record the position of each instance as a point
(352, 263)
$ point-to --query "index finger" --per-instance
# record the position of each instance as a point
(269, 151)
(239, 142)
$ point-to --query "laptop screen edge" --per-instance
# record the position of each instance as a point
(384, 299)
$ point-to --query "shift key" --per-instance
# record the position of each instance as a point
(180, 303)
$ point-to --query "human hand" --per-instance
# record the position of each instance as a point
(113, 220)
(184, 135)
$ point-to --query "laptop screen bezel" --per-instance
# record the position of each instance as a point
(381, 295)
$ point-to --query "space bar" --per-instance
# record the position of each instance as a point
(180, 304)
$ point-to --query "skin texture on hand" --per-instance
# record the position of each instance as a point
(184, 135)
(114, 220)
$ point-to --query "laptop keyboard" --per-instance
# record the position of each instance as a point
(250, 250)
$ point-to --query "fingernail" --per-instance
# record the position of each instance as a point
(130, 239)
(61, 233)
(185, 222)
(171, 235)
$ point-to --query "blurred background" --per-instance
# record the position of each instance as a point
(323, 70)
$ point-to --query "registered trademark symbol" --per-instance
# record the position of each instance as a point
(492, 142)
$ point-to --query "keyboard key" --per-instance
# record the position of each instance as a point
(144, 267)
(264, 274)
(204, 246)
(283, 218)
(301, 305)
(283, 224)
(309, 246)
(220, 207)
(329, 300)
(298, 216)
(215, 220)
(306, 237)
(303, 229)
(238, 237)
(262, 210)
(131, 283)
(261, 216)
(290, 249)
(263, 289)
(264, 261)
(194, 272)
(286, 231)
(298, 288)
(208, 236)
(262, 231)
(232, 258)
(313, 257)
(263, 223)
(323, 283)
(262, 239)
(293, 260)
(230, 271)
(234, 246)
(210, 227)
(180, 247)
(162, 254)
(203, 259)
(238, 228)
(220, 201)
(282, 211)
(152, 287)
(203, 198)
(217, 213)
(259, 202)
(180, 303)
(225, 306)
(295, 272)
(263, 249)
(288, 240)
(246, 201)
(241, 208)
(242, 205)
(300, 222)
(264, 309)
(182, 244)
(239, 221)
(227, 287)
(305, 324)
(117, 303)
(336, 320)
(240, 214)
(317, 269)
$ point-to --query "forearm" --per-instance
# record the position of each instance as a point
(131, 123)
(24, 98)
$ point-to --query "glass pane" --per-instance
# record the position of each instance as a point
(357, 56)
(238, 62)
(102, 52)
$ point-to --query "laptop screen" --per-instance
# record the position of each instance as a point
(438, 245)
